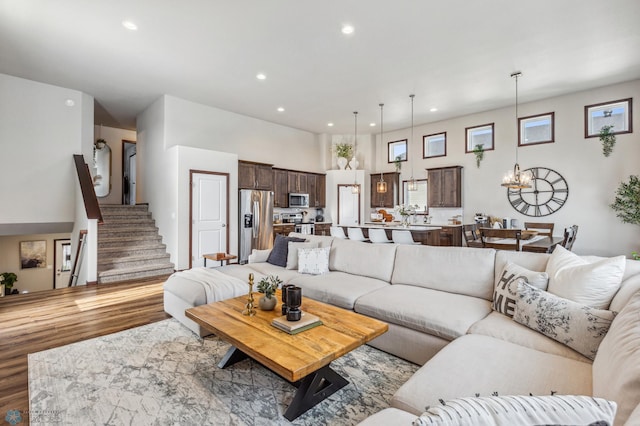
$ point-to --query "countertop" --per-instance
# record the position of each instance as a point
(396, 225)
(432, 224)
(309, 223)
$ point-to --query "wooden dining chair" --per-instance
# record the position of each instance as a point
(495, 238)
(471, 236)
(569, 237)
(537, 226)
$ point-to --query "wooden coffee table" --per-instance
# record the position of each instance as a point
(302, 358)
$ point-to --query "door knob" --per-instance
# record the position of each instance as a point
(223, 225)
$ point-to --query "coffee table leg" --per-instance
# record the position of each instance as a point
(232, 356)
(313, 389)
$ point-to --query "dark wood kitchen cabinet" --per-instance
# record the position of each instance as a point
(451, 236)
(444, 186)
(297, 182)
(316, 186)
(255, 175)
(390, 198)
(280, 188)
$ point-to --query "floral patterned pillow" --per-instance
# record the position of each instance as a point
(580, 327)
(314, 261)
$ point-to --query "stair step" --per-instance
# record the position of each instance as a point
(127, 274)
(128, 241)
(128, 231)
(108, 228)
(140, 250)
(127, 220)
(132, 261)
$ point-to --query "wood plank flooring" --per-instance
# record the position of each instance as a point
(35, 322)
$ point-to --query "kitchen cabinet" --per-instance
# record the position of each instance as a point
(283, 229)
(444, 186)
(280, 188)
(297, 182)
(316, 186)
(451, 236)
(255, 176)
(390, 198)
(322, 229)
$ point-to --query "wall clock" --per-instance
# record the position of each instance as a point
(548, 192)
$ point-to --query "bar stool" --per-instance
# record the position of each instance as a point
(356, 234)
(338, 232)
(402, 237)
(377, 235)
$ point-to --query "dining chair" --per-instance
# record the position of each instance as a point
(356, 234)
(402, 237)
(377, 235)
(338, 232)
(569, 237)
(471, 237)
(501, 239)
(536, 226)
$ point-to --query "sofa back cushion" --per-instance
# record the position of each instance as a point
(616, 369)
(460, 270)
(322, 240)
(368, 260)
(531, 261)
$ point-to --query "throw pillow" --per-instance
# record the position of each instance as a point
(506, 287)
(520, 410)
(314, 261)
(278, 255)
(577, 326)
(591, 284)
(292, 256)
(259, 256)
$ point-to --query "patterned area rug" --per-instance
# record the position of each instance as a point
(163, 374)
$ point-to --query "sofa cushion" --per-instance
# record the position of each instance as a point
(592, 284)
(314, 261)
(199, 286)
(461, 270)
(280, 250)
(389, 416)
(520, 410)
(322, 240)
(439, 313)
(337, 288)
(506, 287)
(268, 269)
(475, 364)
(616, 369)
(358, 258)
(531, 261)
(578, 326)
(292, 253)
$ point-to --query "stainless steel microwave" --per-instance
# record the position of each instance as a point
(299, 200)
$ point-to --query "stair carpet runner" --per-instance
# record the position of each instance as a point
(129, 246)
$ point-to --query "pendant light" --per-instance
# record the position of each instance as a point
(355, 189)
(411, 185)
(381, 186)
(516, 179)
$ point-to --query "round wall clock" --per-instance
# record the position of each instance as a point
(548, 192)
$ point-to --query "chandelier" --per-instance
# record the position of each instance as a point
(355, 189)
(515, 179)
(412, 184)
(381, 185)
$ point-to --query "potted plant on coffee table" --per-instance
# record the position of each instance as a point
(268, 286)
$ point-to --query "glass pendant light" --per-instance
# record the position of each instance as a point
(516, 179)
(411, 185)
(355, 189)
(381, 186)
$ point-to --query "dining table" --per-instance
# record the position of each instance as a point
(541, 244)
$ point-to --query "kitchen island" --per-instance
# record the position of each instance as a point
(424, 234)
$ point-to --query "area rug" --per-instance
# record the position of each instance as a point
(162, 374)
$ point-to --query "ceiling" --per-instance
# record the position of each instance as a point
(455, 55)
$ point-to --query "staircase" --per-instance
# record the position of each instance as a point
(129, 246)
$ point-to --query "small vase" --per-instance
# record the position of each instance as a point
(354, 164)
(405, 221)
(342, 162)
(267, 303)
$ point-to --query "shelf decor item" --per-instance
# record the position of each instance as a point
(344, 151)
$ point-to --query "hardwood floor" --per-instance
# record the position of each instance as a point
(35, 322)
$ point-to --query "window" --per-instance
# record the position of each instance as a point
(616, 114)
(434, 145)
(535, 129)
(479, 135)
(397, 151)
(418, 197)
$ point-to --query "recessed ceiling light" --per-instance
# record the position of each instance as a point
(434, 109)
(347, 29)
(330, 124)
(372, 124)
(129, 25)
(261, 76)
(280, 109)
(69, 102)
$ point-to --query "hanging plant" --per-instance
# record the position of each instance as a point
(608, 139)
(478, 150)
(398, 163)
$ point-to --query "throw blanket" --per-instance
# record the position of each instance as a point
(217, 286)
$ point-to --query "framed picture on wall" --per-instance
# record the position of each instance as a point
(397, 151)
(434, 145)
(616, 114)
(536, 129)
(33, 254)
(479, 135)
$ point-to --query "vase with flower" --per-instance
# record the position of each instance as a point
(405, 211)
(268, 286)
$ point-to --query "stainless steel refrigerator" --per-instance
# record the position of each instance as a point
(256, 221)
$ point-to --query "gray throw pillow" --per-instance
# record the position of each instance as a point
(278, 255)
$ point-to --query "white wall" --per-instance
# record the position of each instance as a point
(592, 178)
(114, 138)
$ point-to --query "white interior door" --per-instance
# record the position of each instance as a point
(209, 216)
(348, 206)
(63, 263)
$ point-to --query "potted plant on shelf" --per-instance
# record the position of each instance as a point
(344, 151)
(6, 282)
(608, 139)
(627, 204)
(268, 286)
(478, 150)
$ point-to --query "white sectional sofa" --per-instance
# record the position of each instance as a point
(438, 304)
